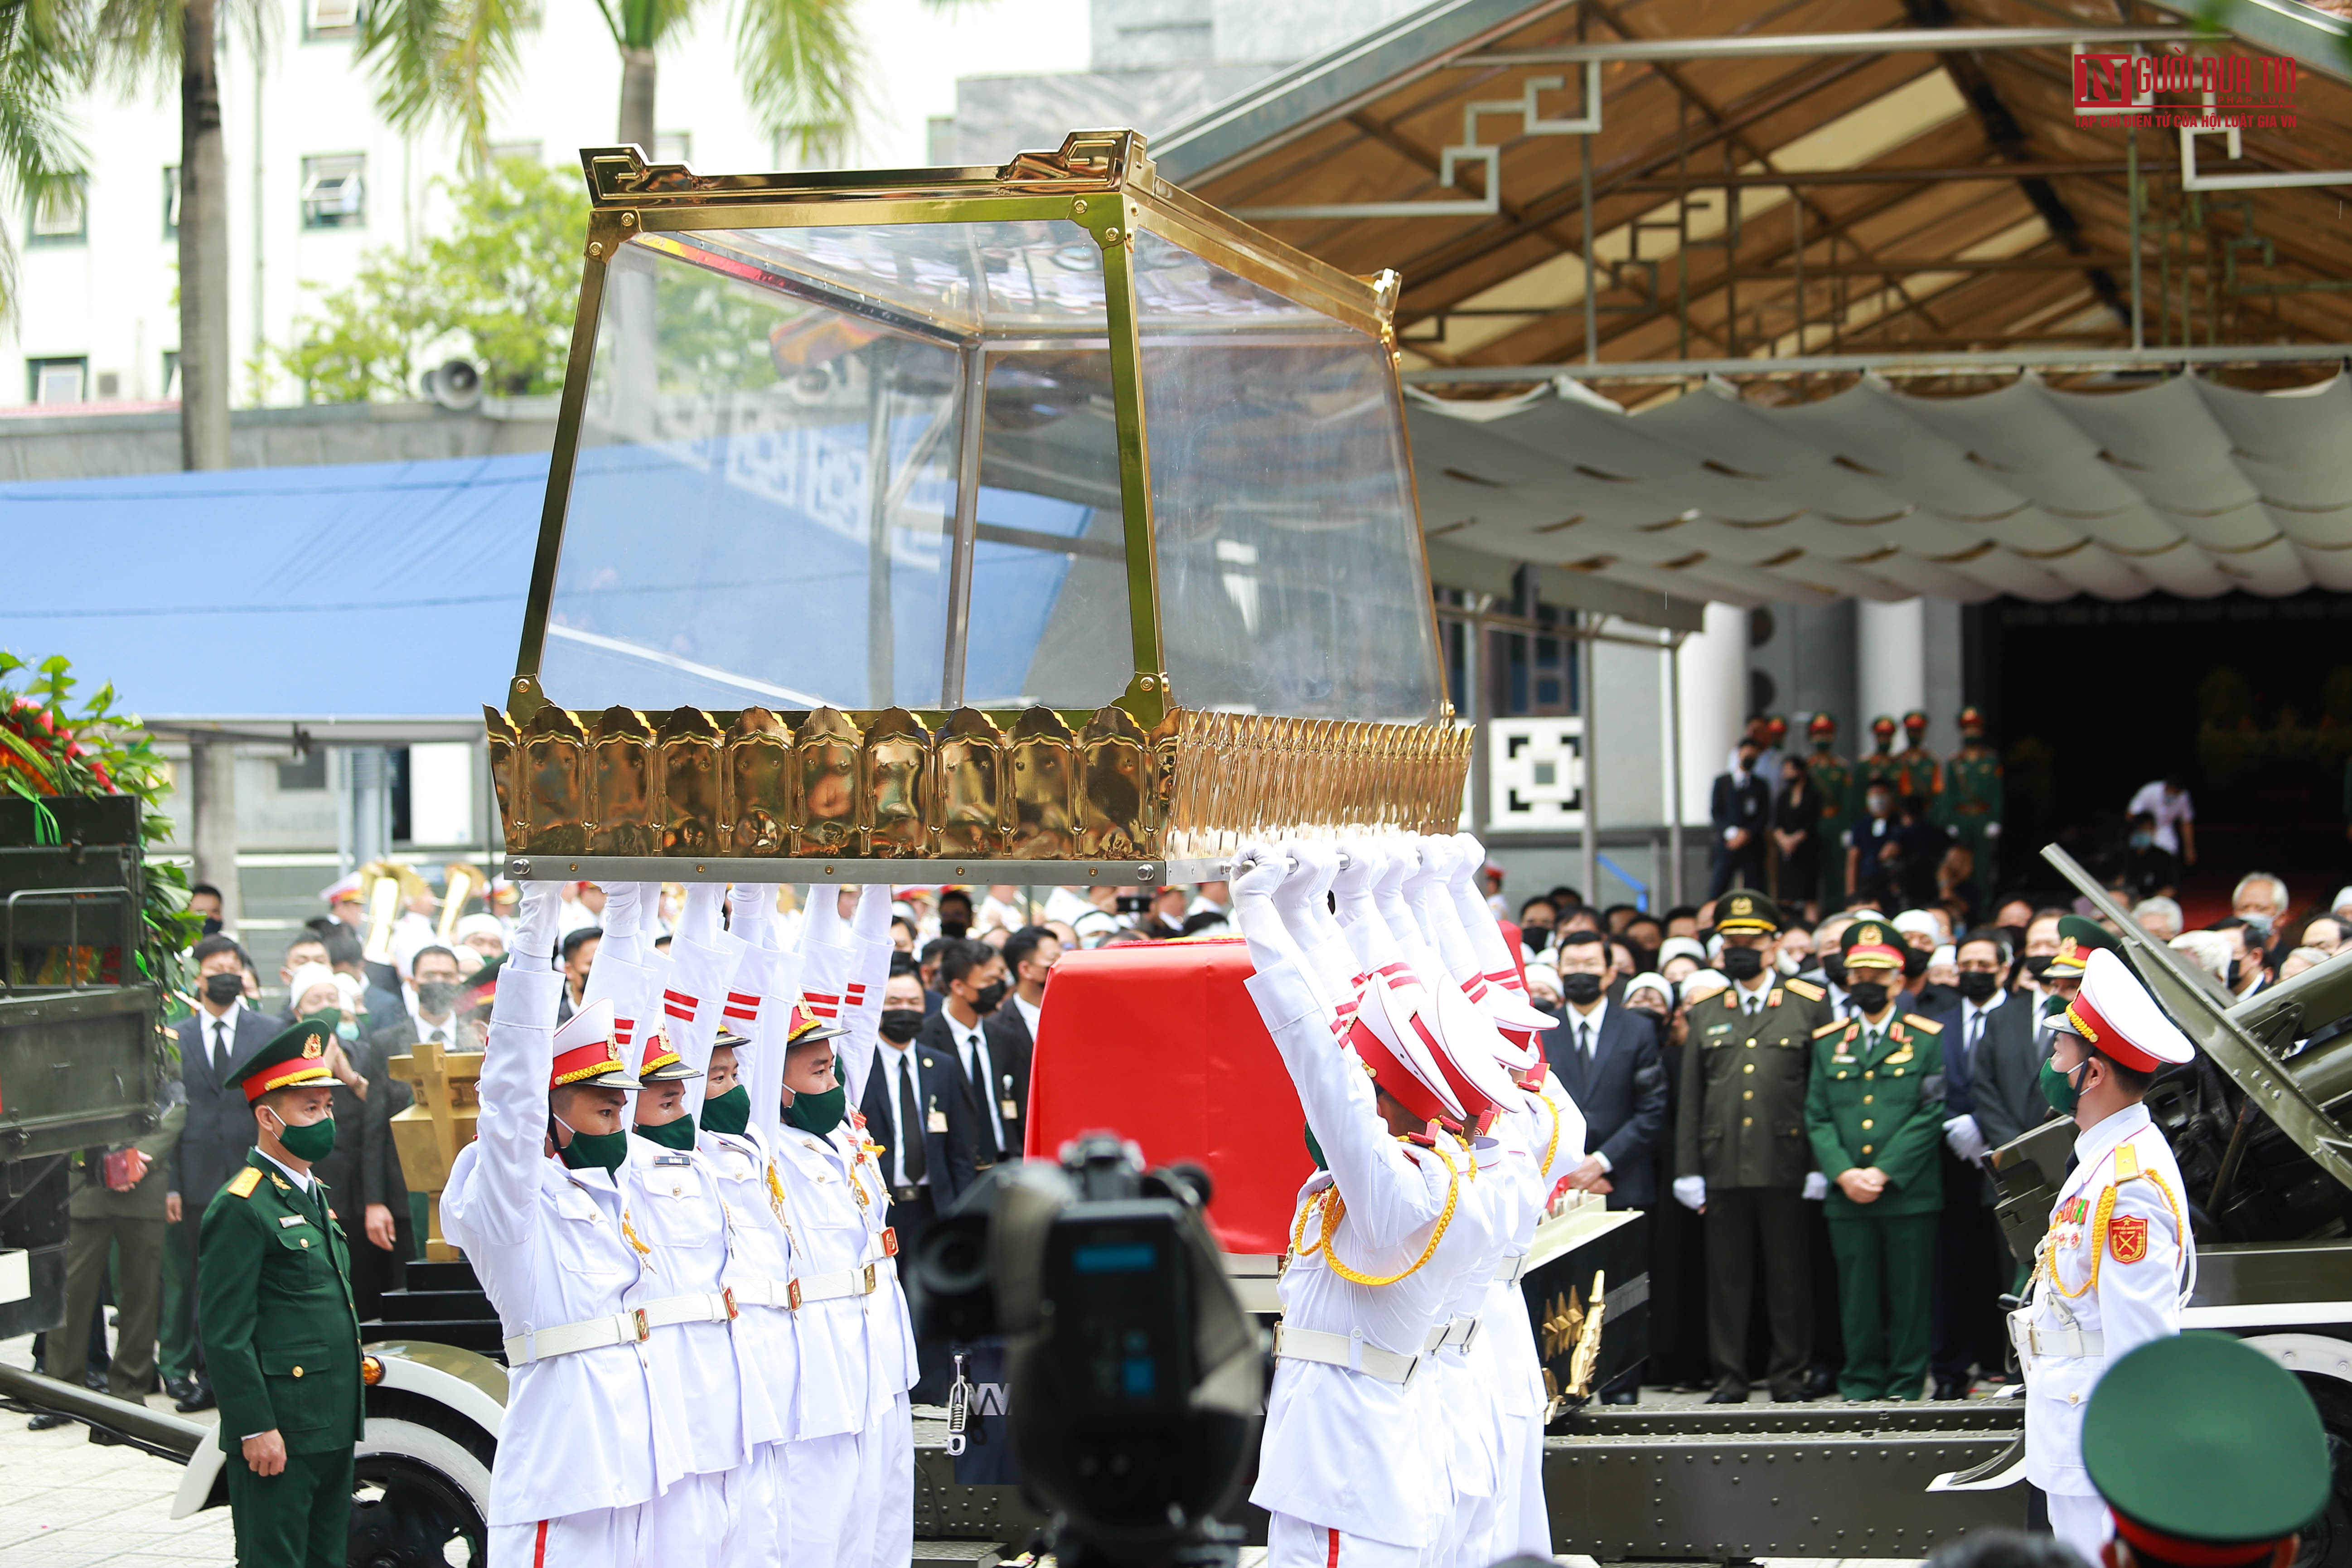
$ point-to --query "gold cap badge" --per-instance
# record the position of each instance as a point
(312, 1047)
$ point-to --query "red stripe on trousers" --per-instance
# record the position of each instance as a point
(1330, 1562)
(539, 1553)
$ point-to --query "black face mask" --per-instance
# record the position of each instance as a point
(220, 990)
(437, 997)
(2037, 964)
(1742, 962)
(1833, 967)
(1915, 963)
(954, 927)
(2231, 978)
(212, 926)
(1869, 995)
(991, 995)
(901, 1025)
(1978, 985)
(1581, 988)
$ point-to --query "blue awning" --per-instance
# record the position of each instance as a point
(377, 593)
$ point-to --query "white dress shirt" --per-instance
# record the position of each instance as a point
(220, 1036)
(979, 1069)
(1030, 1013)
(1972, 1026)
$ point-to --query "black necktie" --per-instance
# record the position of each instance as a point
(1584, 1042)
(220, 1044)
(912, 1155)
(1976, 1038)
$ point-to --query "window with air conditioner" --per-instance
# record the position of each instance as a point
(330, 19)
(60, 217)
(334, 192)
(171, 201)
(57, 380)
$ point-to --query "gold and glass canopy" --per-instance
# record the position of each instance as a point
(982, 517)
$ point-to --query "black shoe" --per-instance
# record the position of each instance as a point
(47, 1421)
(1728, 1394)
(1794, 1393)
(1951, 1388)
(102, 1435)
(1821, 1385)
(1621, 1397)
(94, 1380)
(201, 1399)
(180, 1388)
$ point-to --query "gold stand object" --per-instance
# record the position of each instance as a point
(868, 489)
(428, 1134)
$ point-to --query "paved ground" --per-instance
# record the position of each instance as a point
(67, 1503)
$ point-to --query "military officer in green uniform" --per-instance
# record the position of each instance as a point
(279, 1331)
(1972, 798)
(1878, 765)
(1833, 782)
(1875, 1113)
(2205, 1450)
(1741, 1159)
(1918, 772)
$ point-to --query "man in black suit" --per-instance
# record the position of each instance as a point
(1741, 810)
(1029, 954)
(219, 1128)
(973, 990)
(1988, 1035)
(919, 1110)
(1606, 1056)
(383, 1233)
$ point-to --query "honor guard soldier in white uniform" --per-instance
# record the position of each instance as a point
(2119, 1259)
(1345, 1467)
(712, 997)
(532, 1203)
(852, 1463)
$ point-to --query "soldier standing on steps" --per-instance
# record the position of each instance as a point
(1834, 780)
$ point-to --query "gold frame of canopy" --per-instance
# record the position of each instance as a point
(1140, 790)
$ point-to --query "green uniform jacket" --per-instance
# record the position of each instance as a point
(1972, 786)
(1920, 772)
(93, 1199)
(281, 1335)
(1743, 1092)
(1833, 777)
(1876, 767)
(1882, 1108)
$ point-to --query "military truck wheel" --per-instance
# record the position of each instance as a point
(2328, 1543)
(418, 1497)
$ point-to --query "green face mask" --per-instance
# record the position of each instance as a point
(818, 1113)
(729, 1113)
(2059, 1088)
(309, 1144)
(674, 1134)
(595, 1150)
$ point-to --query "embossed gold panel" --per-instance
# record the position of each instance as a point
(1046, 782)
(555, 792)
(694, 791)
(824, 760)
(759, 778)
(894, 768)
(970, 786)
(1119, 819)
(625, 799)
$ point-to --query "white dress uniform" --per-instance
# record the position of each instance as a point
(2118, 1261)
(1341, 1466)
(586, 1442)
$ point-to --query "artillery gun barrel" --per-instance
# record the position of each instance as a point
(164, 1435)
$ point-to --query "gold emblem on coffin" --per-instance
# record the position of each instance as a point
(1572, 1329)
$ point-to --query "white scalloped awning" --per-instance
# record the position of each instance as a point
(2186, 488)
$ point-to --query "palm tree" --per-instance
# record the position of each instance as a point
(798, 61)
(44, 58)
(154, 41)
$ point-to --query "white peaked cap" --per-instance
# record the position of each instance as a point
(1395, 1046)
(1470, 1044)
(2114, 1013)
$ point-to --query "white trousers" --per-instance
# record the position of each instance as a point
(755, 1510)
(883, 1519)
(688, 1523)
(601, 1538)
(1522, 1524)
(1295, 1543)
(2082, 1522)
(815, 1518)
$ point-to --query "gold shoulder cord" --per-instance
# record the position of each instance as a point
(2099, 1236)
(1552, 1148)
(776, 1202)
(1335, 1208)
(630, 1230)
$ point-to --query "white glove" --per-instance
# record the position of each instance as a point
(1691, 1192)
(1817, 1186)
(1965, 1139)
(536, 918)
(1259, 871)
(1302, 893)
(752, 911)
(1992, 830)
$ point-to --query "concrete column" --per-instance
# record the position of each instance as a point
(369, 804)
(1890, 663)
(1713, 674)
(212, 768)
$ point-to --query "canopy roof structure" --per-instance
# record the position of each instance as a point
(1890, 315)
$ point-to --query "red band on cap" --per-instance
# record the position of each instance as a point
(2193, 1553)
(1476, 1102)
(2111, 1041)
(1393, 1075)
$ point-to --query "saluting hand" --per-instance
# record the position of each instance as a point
(266, 1453)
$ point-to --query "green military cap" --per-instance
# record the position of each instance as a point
(1871, 944)
(2077, 937)
(1914, 720)
(2209, 1452)
(1971, 715)
(295, 1055)
(1742, 910)
(1881, 725)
